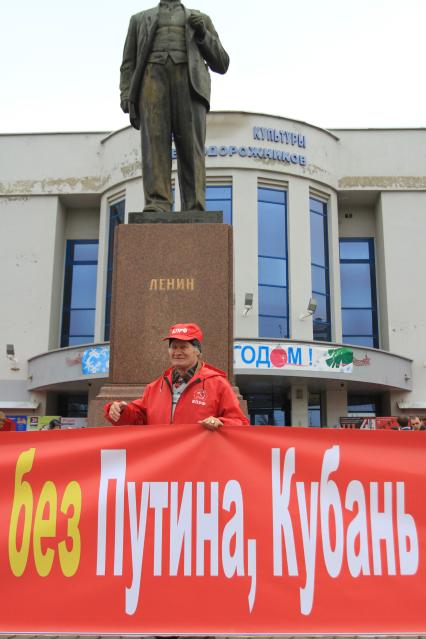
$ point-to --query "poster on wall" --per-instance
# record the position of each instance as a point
(44, 422)
(363, 423)
(293, 356)
(20, 421)
(95, 360)
(73, 422)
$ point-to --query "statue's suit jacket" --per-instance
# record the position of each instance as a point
(202, 55)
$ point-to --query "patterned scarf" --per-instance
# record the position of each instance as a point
(183, 378)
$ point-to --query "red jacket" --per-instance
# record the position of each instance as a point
(208, 394)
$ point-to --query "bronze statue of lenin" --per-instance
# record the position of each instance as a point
(165, 87)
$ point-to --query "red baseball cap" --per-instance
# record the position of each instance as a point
(186, 332)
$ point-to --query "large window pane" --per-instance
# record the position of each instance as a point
(272, 195)
(218, 192)
(321, 331)
(272, 271)
(272, 230)
(355, 284)
(219, 198)
(319, 269)
(354, 250)
(358, 291)
(273, 300)
(320, 313)
(314, 416)
(319, 280)
(314, 410)
(360, 340)
(116, 217)
(272, 326)
(82, 322)
(317, 239)
(84, 285)
(78, 313)
(357, 322)
(272, 262)
(86, 252)
(80, 339)
(318, 207)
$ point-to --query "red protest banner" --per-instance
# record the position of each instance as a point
(176, 529)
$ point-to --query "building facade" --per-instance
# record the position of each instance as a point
(329, 228)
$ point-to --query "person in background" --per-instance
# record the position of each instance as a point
(188, 392)
(6, 424)
(417, 424)
(403, 423)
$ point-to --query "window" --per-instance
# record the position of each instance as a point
(219, 198)
(358, 286)
(116, 217)
(78, 315)
(73, 405)
(319, 269)
(272, 262)
(314, 410)
(364, 405)
(268, 409)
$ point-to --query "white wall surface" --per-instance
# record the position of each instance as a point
(50, 163)
(29, 228)
(244, 210)
(57, 278)
(404, 232)
(382, 159)
(362, 222)
(299, 259)
(81, 224)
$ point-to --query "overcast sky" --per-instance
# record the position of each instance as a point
(332, 63)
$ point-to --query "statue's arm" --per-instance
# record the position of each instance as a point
(211, 48)
(128, 65)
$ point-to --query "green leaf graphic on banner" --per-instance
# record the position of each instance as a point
(339, 357)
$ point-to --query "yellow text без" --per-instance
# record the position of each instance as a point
(37, 530)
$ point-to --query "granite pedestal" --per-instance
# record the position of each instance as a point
(166, 274)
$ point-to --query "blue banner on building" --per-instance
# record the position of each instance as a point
(95, 360)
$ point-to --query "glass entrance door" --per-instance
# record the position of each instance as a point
(268, 410)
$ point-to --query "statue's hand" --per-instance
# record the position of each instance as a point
(124, 106)
(197, 23)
